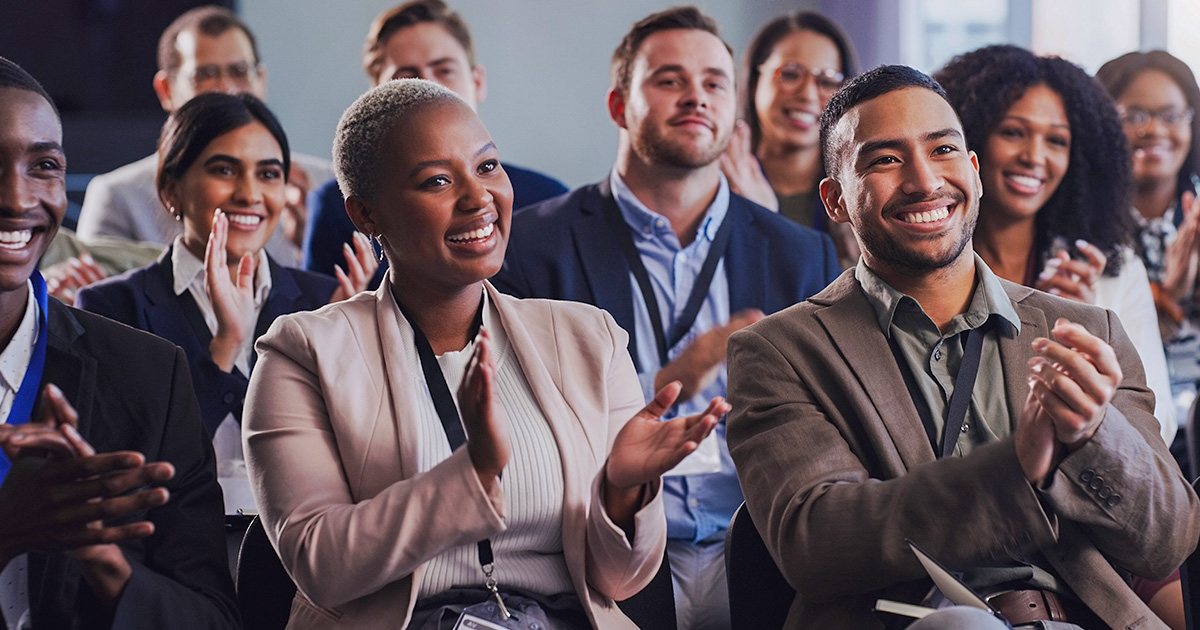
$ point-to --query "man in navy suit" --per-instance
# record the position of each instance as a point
(678, 260)
(420, 39)
(110, 515)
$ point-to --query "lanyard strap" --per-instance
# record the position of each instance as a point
(22, 408)
(964, 388)
(443, 402)
(699, 289)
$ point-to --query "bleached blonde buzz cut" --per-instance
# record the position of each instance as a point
(358, 144)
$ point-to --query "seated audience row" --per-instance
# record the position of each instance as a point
(1039, 425)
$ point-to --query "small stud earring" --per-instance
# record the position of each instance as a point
(175, 213)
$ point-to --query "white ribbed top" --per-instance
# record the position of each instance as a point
(529, 553)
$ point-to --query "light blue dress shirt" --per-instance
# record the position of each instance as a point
(698, 506)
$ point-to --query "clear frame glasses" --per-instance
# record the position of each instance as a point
(236, 72)
(1170, 116)
(790, 76)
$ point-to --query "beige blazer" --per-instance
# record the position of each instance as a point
(331, 449)
(837, 469)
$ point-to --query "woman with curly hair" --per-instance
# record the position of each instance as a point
(1055, 171)
(793, 65)
(1157, 98)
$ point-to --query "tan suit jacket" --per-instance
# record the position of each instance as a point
(330, 443)
(837, 469)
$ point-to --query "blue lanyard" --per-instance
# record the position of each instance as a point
(22, 407)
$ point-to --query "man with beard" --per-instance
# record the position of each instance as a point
(678, 260)
(1007, 432)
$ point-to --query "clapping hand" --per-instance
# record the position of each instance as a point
(65, 279)
(696, 367)
(1073, 279)
(482, 415)
(232, 301)
(647, 447)
(1182, 264)
(360, 268)
(1072, 379)
(743, 171)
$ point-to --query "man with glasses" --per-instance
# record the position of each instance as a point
(207, 49)
(678, 260)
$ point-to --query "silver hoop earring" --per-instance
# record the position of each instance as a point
(377, 245)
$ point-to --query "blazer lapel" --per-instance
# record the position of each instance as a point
(604, 265)
(850, 321)
(73, 373)
(1015, 352)
(392, 436)
(745, 262)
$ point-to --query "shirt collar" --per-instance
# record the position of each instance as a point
(643, 221)
(989, 298)
(15, 358)
(189, 269)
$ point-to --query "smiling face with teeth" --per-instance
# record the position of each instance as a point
(1026, 155)
(240, 172)
(788, 119)
(1159, 149)
(443, 203)
(33, 194)
(906, 183)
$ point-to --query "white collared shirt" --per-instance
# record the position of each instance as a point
(14, 362)
(189, 275)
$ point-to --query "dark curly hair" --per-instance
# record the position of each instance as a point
(764, 42)
(1117, 74)
(1093, 200)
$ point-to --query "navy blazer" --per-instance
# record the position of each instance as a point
(132, 392)
(145, 299)
(565, 249)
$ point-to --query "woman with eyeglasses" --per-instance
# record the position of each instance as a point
(1157, 98)
(794, 64)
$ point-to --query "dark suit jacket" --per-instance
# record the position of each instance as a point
(564, 249)
(329, 227)
(133, 392)
(145, 299)
(838, 469)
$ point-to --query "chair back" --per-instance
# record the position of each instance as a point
(653, 608)
(264, 589)
(759, 596)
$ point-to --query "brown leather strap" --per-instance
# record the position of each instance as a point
(1021, 607)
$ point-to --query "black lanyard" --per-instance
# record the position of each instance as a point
(964, 387)
(699, 290)
(443, 401)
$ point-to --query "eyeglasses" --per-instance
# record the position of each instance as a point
(236, 72)
(1170, 116)
(792, 75)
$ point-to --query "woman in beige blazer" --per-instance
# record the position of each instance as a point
(373, 516)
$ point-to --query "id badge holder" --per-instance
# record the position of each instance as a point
(488, 615)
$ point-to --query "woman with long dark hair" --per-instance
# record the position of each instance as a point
(1055, 209)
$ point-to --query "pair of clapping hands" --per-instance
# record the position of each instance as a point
(1072, 379)
(60, 491)
(642, 451)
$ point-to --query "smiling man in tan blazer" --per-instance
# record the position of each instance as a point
(1046, 491)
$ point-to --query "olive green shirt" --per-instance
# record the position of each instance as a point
(932, 358)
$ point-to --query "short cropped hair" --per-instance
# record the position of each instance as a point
(410, 14)
(866, 86)
(678, 18)
(14, 76)
(210, 21)
(358, 144)
(203, 119)
(764, 43)
(1117, 74)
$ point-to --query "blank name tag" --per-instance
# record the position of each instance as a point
(702, 461)
(486, 616)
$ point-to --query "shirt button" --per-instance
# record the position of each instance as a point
(646, 230)
(693, 503)
(937, 355)
(660, 223)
